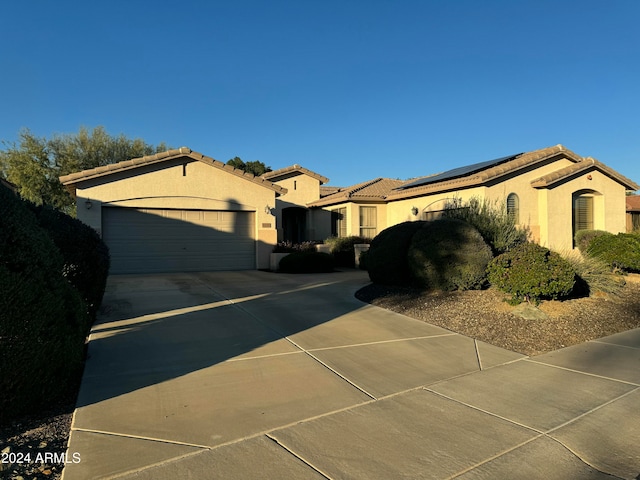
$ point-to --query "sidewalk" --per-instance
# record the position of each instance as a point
(260, 375)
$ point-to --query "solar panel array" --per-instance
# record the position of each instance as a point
(458, 172)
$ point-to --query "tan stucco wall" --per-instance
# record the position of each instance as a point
(353, 216)
(401, 210)
(164, 186)
(556, 208)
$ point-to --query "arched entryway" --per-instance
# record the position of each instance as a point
(585, 210)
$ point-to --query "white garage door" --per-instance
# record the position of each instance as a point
(165, 240)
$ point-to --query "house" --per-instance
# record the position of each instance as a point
(553, 191)
(633, 213)
(178, 211)
(182, 211)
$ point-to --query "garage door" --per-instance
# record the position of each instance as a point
(166, 240)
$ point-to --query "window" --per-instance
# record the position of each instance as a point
(513, 207)
(582, 213)
(368, 222)
(339, 222)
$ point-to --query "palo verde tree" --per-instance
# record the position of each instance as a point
(35, 163)
(255, 167)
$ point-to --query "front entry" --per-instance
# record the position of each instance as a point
(294, 224)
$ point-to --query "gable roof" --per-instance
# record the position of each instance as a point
(633, 203)
(73, 179)
(580, 167)
(485, 172)
(375, 190)
(276, 175)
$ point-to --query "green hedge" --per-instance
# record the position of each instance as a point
(531, 272)
(620, 252)
(307, 262)
(584, 238)
(42, 317)
(386, 261)
(86, 256)
(342, 249)
(449, 254)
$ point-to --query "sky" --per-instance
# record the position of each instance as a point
(350, 89)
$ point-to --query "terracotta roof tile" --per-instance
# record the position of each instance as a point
(582, 166)
(273, 175)
(72, 179)
(375, 190)
(633, 203)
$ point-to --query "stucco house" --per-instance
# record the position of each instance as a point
(181, 211)
(178, 211)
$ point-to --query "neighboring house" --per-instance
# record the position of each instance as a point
(633, 213)
(182, 211)
(178, 211)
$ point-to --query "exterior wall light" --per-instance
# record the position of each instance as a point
(267, 209)
(414, 211)
(88, 204)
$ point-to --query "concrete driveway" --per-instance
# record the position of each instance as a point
(260, 375)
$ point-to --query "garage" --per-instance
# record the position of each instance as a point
(153, 240)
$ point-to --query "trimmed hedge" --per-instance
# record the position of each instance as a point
(307, 262)
(584, 238)
(86, 256)
(449, 254)
(42, 317)
(342, 249)
(620, 252)
(387, 262)
(531, 272)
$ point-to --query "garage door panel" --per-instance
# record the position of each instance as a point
(165, 240)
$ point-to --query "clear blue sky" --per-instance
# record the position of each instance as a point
(350, 89)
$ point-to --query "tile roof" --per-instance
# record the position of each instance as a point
(490, 173)
(276, 174)
(74, 178)
(584, 165)
(633, 203)
(375, 190)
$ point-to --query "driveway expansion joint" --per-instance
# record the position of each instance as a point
(619, 380)
(299, 457)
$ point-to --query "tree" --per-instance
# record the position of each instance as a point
(34, 164)
(256, 167)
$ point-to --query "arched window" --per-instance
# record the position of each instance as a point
(513, 207)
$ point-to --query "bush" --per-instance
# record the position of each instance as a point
(86, 256)
(620, 252)
(531, 272)
(448, 254)
(307, 262)
(387, 256)
(491, 219)
(342, 249)
(290, 247)
(584, 238)
(42, 317)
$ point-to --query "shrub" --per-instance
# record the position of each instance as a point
(531, 272)
(448, 254)
(593, 275)
(342, 249)
(584, 238)
(290, 247)
(620, 252)
(307, 262)
(42, 317)
(387, 256)
(491, 219)
(86, 256)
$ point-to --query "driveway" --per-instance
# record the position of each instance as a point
(260, 375)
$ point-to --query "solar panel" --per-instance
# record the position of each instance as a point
(458, 172)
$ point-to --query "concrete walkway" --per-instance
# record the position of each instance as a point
(244, 375)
